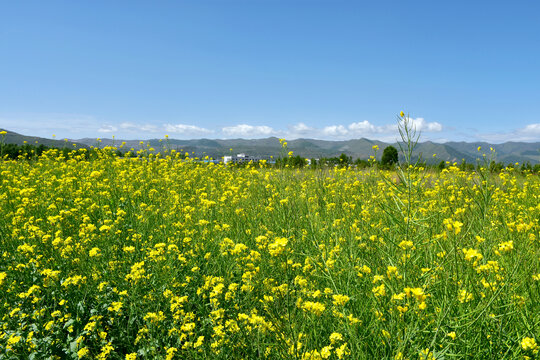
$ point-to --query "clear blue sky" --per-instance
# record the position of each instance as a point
(464, 70)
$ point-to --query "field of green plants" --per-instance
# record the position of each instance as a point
(163, 257)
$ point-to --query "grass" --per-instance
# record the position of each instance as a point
(165, 257)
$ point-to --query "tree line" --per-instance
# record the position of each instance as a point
(30, 151)
(388, 160)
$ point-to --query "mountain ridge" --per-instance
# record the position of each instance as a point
(453, 151)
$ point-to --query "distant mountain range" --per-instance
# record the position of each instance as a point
(13, 138)
(508, 152)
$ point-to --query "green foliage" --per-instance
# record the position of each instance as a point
(441, 165)
(389, 156)
(104, 256)
(26, 151)
(291, 161)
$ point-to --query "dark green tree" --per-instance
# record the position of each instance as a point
(442, 165)
(344, 160)
(389, 156)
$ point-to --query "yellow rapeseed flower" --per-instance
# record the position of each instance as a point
(340, 300)
(529, 344)
(335, 337)
(94, 252)
(379, 290)
(316, 308)
(278, 246)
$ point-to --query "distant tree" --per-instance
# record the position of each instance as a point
(291, 161)
(344, 160)
(495, 167)
(464, 166)
(361, 163)
(297, 161)
(389, 156)
(526, 166)
(442, 165)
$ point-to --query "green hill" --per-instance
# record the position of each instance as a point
(508, 152)
(14, 138)
(357, 148)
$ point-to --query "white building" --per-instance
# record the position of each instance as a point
(241, 158)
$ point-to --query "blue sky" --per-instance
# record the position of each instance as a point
(463, 70)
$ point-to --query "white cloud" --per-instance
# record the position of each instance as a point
(434, 127)
(127, 126)
(530, 132)
(248, 130)
(139, 129)
(362, 127)
(335, 130)
(186, 129)
(367, 129)
(422, 125)
(107, 129)
(78, 126)
(531, 129)
(301, 128)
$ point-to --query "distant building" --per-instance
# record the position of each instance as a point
(241, 158)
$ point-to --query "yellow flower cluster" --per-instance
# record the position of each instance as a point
(167, 257)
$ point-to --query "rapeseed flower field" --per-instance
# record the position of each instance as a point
(164, 257)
